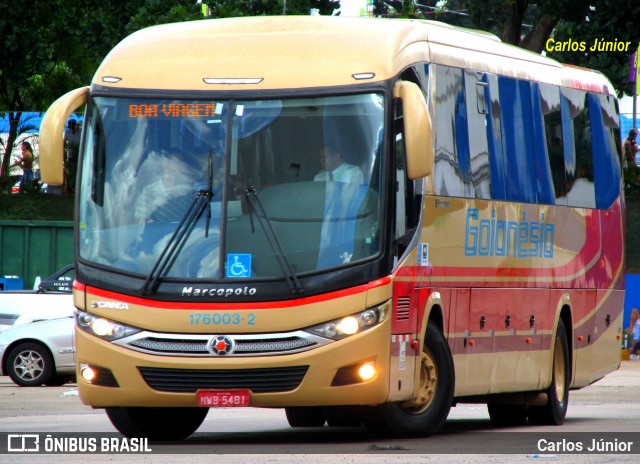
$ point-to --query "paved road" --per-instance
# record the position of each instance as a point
(608, 410)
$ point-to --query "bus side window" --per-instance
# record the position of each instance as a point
(550, 105)
(407, 201)
(494, 139)
(452, 175)
(517, 139)
(605, 133)
(578, 158)
(409, 198)
(544, 187)
(475, 87)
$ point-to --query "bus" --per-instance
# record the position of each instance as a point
(360, 221)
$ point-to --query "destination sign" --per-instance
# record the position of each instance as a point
(175, 110)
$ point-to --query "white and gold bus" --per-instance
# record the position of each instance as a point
(360, 221)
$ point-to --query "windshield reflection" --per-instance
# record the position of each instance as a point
(313, 165)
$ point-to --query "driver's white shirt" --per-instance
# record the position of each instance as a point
(343, 173)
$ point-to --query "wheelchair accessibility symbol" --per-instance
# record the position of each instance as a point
(238, 265)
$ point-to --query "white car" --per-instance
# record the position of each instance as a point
(52, 300)
(24, 307)
(40, 353)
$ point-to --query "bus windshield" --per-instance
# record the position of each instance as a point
(231, 189)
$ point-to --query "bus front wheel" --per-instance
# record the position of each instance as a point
(157, 424)
(305, 416)
(428, 411)
(554, 412)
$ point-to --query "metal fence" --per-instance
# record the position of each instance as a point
(30, 249)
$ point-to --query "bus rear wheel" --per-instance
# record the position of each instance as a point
(554, 412)
(157, 424)
(428, 411)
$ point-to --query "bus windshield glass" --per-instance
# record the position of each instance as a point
(231, 189)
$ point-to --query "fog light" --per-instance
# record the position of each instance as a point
(367, 371)
(98, 376)
(355, 373)
(87, 373)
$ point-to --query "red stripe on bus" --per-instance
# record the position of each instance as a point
(244, 305)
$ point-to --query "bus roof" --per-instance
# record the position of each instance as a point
(286, 52)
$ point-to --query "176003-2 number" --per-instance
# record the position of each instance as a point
(222, 319)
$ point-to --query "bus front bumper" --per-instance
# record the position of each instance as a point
(319, 377)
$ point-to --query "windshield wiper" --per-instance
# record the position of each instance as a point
(255, 204)
(209, 191)
(200, 203)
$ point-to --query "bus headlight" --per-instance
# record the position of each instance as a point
(338, 329)
(102, 327)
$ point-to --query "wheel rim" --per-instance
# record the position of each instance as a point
(559, 370)
(427, 386)
(29, 365)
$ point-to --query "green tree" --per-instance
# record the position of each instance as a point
(518, 22)
(50, 47)
(234, 8)
(26, 52)
(53, 46)
(152, 12)
(607, 21)
(426, 9)
(529, 24)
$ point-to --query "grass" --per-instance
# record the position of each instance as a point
(35, 206)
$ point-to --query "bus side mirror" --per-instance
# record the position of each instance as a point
(417, 130)
(52, 134)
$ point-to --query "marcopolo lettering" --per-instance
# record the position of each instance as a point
(220, 291)
(498, 237)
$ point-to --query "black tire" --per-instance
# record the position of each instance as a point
(58, 380)
(554, 412)
(303, 416)
(507, 415)
(343, 416)
(426, 414)
(30, 365)
(157, 424)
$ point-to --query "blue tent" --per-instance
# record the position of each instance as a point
(31, 120)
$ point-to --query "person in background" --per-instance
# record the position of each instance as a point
(634, 331)
(630, 148)
(71, 145)
(72, 140)
(26, 163)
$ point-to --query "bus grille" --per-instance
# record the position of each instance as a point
(200, 345)
(272, 380)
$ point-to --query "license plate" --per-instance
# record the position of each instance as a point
(223, 398)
